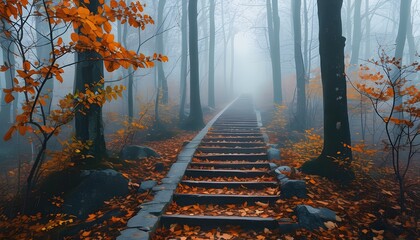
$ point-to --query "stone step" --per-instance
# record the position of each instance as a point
(229, 157)
(233, 139)
(239, 166)
(232, 144)
(222, 199)
(211, 222)
(248, 185)
(233, 134)
(224, 173)
(231, 150)
(217, 130)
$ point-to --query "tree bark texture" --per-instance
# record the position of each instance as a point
(334, 160)
(300, 120)
(195, 119)
(89, 124)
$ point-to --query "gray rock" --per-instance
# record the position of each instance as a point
(282, 177)
(147, 185)
(281, 169)
(134, 152)
(154, 208)
(143, 221)
(94, 188)
(312, 218)
(273, 154)
(291, 188)
(133, 234)
(273, 166)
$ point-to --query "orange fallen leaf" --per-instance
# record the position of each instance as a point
(261, 204)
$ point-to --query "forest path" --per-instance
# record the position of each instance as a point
(228, 181)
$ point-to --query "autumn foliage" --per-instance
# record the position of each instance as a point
(396, 101)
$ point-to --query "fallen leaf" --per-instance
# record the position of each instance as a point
(261, 204)
(330, 225)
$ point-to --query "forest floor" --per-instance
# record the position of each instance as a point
(367, 209)
(112, 217)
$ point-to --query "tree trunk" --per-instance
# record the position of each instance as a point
(273, 22)
(211, 97)
(225, 42)
(232, 64)
(368, 54)
(184, 59)
(195, 119)
(357, 33)
(89, 124)
(300, 120)
(306, 36)
(336, 156)
(204, 39)
(43, 50)
(160, 49)
(348, 26)
(410, 38)
(400, 44)
(8, 49)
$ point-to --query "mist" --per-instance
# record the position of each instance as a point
(82, 81)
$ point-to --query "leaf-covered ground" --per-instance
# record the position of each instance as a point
(113, 216)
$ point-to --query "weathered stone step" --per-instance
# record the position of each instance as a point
(211, 222)
(231, 150)
(237, 120)
(228, 157)
(235, 125)
(221, 165)
(224, 173)
(233, 139)
(231, 144)
(217, 130)
(233, 134)
(221, 199)
(248, 185)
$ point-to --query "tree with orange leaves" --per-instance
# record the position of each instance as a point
(396, 101)
(93, 43)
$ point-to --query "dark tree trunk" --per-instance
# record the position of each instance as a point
(357, 33)
(300, 121)
(184, 59)
(89, 125)
(336, 156)
(211, 98)
(160, 49)
(195, 119)
(273, 22)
